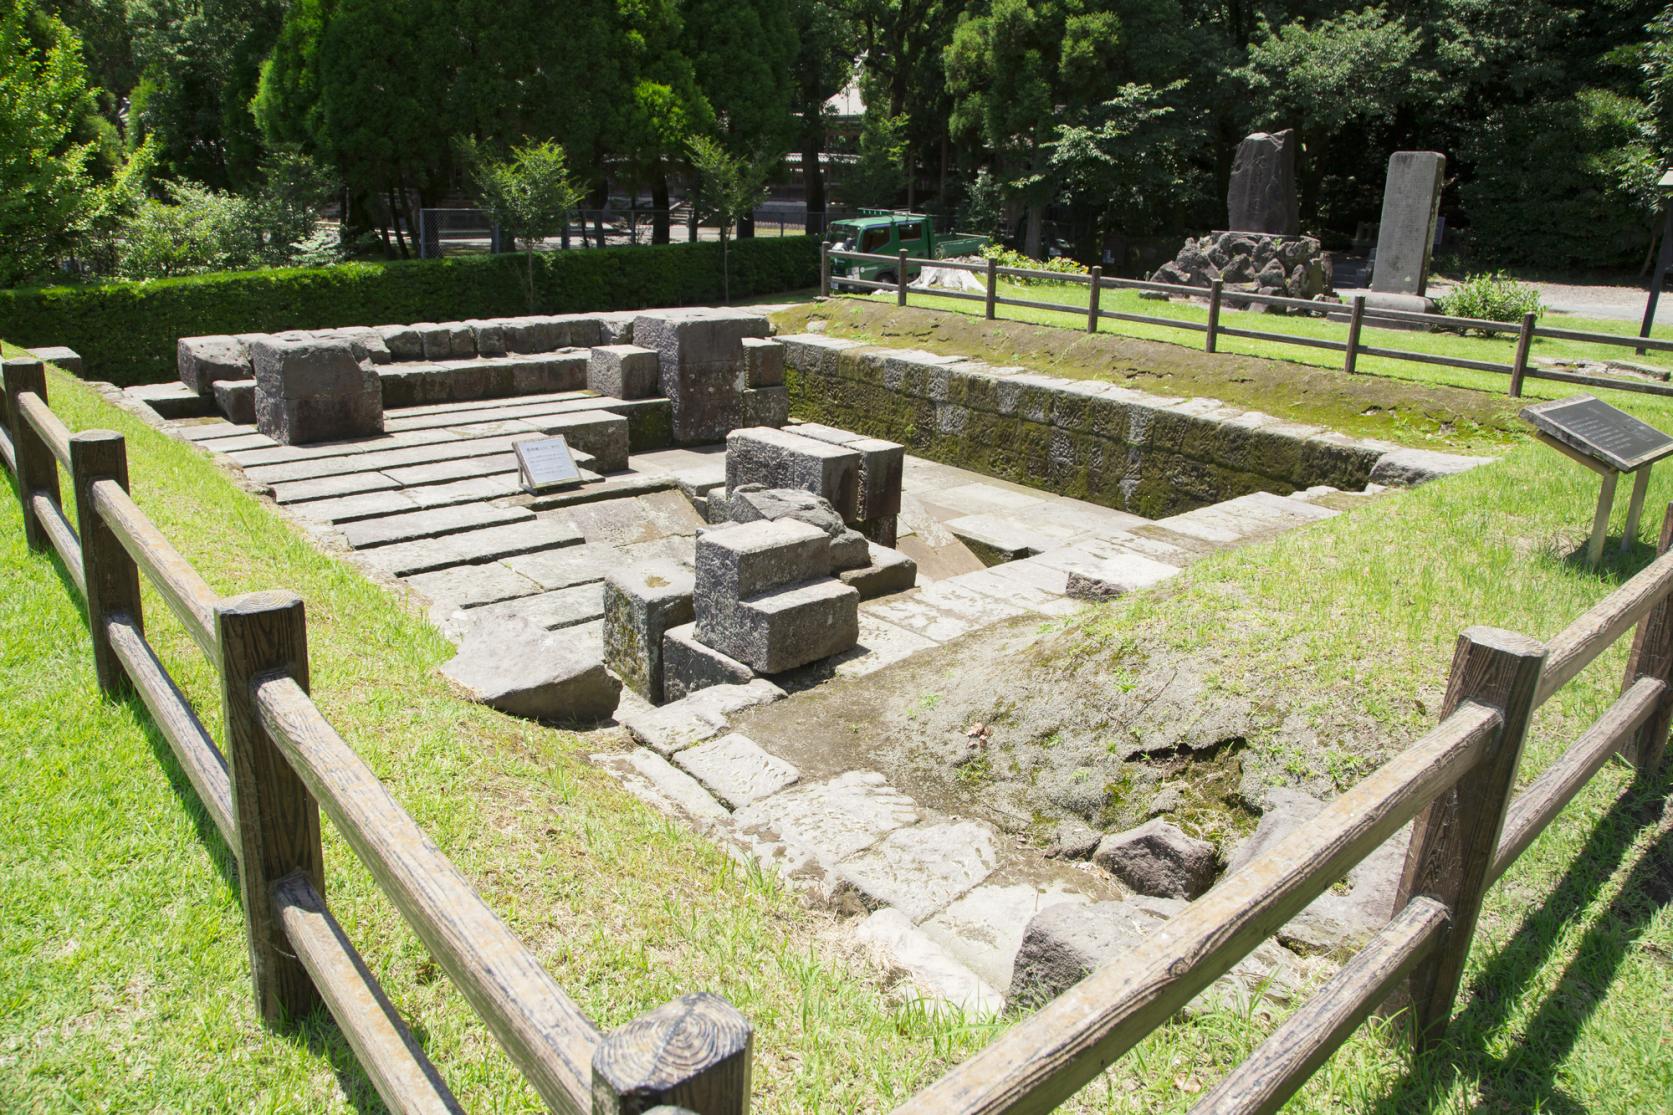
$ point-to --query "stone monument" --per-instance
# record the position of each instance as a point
(1261, 197)
(1406, 236)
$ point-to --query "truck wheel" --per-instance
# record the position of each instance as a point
(888, 277)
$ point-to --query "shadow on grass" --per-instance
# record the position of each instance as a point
(1525, 1078)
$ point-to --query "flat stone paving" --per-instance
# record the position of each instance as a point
(435, 504)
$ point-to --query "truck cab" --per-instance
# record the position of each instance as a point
(888, 232)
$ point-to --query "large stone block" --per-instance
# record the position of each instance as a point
(741, 560)
(522, 669)
(641, 605)
(787, 627)
(688, 665)
(1262, 193)
(624, 371)
(402, 341)
(1406, 236)
(782, 459)
(311, 389)
(597, 432)
(322, 418)
(700, 352)
(67, 358)
(763, 362)
(766, 406)
(204, 360)
(236, 400)
(887, 571)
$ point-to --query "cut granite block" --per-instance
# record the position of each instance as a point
(322, 418)
(521, 669)
(738, 561)
(402, 341)
(596, 432)
(203, 360)
(173, 400)
(641, 604)
(66, 358)
(782, 459)
(688, 665)
(624, 371)
(700, 352)
(736, 770)
(429, 523)
(767, 406)
(236, 400)
(763, 362)
(785, 627)
(888, 571)
(697, 716)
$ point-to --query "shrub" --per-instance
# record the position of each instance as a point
(126, 331)
(1492, 297)
(1010, 257)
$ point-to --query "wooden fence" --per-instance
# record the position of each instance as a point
(283, 763)
(1351, 348)
(1456, 782)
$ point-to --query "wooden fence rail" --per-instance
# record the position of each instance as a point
(1359, 315)
(283, 763)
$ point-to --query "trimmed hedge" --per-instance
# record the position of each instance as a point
(126, 331)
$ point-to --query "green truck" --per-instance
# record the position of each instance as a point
(887, 232)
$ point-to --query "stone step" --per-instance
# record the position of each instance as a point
(471, 547)
(941, 611)
(416, 383)
(529, 403)
(472, 586)
(383, 459)
(888, 572)
(276, 454)
(560, 609)
(433, 522)
(689, 665)
(332, 487)
(236, 399)
(216, 430)
(784, 627)
(990, 583)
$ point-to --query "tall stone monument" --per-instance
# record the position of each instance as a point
(1406, 237)
(1262, 197)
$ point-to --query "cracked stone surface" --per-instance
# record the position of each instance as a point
(736, 770)
(919, 870)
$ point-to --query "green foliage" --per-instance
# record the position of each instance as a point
(1010, 257)
(529, 195)
(984, 206)
(879, 174)
(1129, 162)
(127, 330)
(1493, 296)
(46, 189)
(728, 187)
(1323, 76)
(1567, 183)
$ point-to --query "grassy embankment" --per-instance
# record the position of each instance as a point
(124, 973)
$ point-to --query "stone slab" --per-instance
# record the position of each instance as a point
(736, 770)
(921, 869)
(556, 610)
(657, 782)
(471, 586)
(1406, 233)
(984, 928)
(697, 717)
(688, 665)
(819, 824)
(522, 670)
(493, 543)
(938, 976)
(431, 522)
(333, 487)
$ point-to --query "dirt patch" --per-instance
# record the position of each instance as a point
(1432, 417)
(1057, 739)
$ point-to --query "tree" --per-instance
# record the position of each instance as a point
(879, 173)
(728, 186)
(46, 190)
(824, 64)
(530, 196)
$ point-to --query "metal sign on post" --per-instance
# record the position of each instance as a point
(1609, 441)
(546, 463)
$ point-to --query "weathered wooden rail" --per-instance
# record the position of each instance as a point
(283, 763)
(1359, 315)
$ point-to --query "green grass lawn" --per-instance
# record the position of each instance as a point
(123, 979)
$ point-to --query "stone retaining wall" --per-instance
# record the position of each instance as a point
(1148, 454)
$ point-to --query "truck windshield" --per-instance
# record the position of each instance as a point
(873, 239)
(840, 238)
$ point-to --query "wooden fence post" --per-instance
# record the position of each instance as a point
(824, 269)
(1212, 338)
(37, 468)
(1455, 839)
(693, 1054)
(266, 633)
(900, 280)
(1097, 277)
(1524, 341)
(112, 577)
(993, 287)
(1354, 322)
(1652, 656)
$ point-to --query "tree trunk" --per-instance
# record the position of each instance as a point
(395, 219)
(813, 179)
(660, 221)
(725, 269)
(528, 276)
(1032, 236)
(911, 178)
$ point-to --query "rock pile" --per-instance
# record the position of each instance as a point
(1287, 266)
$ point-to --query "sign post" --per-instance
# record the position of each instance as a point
(1608, 441)
(546, 463)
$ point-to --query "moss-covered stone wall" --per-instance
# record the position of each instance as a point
(1082, 438)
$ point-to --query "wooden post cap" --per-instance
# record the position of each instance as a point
(692, 1054)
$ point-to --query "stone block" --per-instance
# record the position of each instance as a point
(921, 869)
(1406, 234)
(203, 360)
(1262, 193)
(745, 559)
(696, 716)
(528, 334)
(688, 665)
(751, 503)
(322, 418)
(888, 571)
(820, 824)
(938, 976)
(624, 371)
(67, 358)
(1158, 859)
(1064, 944)
(641, 604)
(786, 627)
(700, 352)
(303, 369)
(236, 400)
(782, 459)
(521, 669)
(763, 362)
(766, 406)
(596, 432)
(736, 770)
(173, 400)
(488, 337)
(402, 341)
